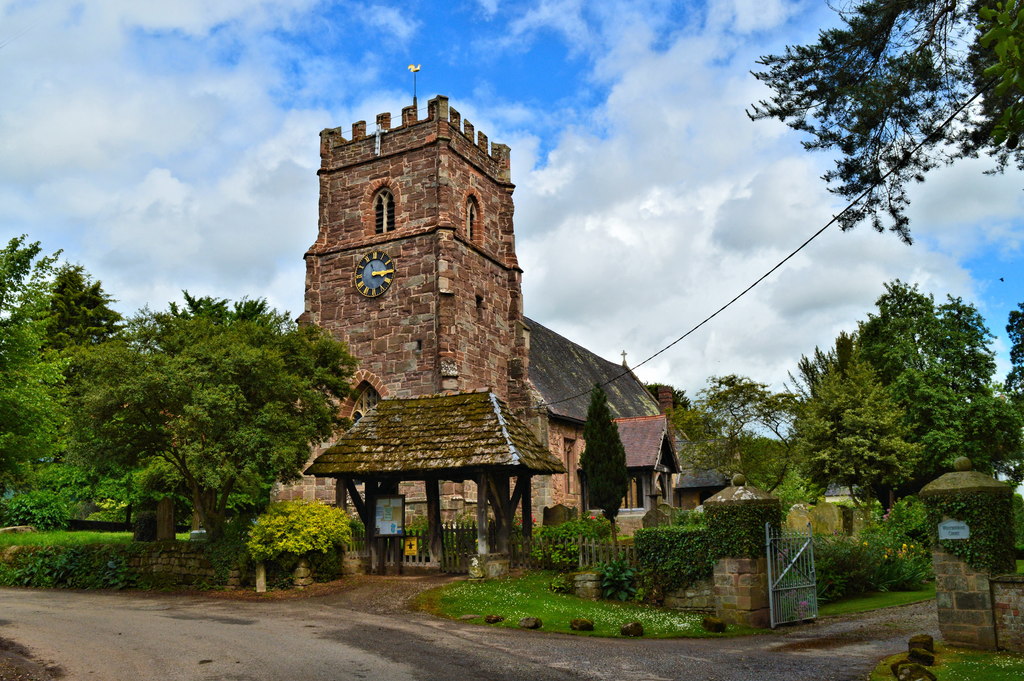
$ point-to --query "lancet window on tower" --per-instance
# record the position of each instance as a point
(384, 211)
(472, 219)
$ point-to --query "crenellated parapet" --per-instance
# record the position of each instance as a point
(442, 122)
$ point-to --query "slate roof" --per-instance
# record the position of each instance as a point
(690, 478)
(560, 368)
(694, 477)
(645, 439)
(434, 434)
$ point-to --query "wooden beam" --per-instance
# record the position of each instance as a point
(481, 514)
(517, 491)
(524, 487)
(340, 494)
(434, 519)
(498, 499)
(503, 502)
(357, 501)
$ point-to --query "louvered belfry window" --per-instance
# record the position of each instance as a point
(384, 211)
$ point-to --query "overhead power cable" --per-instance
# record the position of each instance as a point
(835, 218)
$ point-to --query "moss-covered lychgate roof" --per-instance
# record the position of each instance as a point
(434, 435)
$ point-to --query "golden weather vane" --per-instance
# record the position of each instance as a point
(414, 68)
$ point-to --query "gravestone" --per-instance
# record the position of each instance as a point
(827, 518)
(656, 518)
(558, 514)
(798, 517)
(165, 519)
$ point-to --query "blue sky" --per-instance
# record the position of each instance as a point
(169, 146)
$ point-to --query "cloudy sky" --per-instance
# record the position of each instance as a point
(174, 145)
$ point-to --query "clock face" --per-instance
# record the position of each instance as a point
(374, 274)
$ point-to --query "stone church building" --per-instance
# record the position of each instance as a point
(414, 267)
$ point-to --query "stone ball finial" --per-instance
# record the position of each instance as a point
(739, 480)
(962, 464)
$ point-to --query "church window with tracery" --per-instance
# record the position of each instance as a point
(384, 211)
(367, 400)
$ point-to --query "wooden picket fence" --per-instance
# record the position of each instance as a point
(459, 546)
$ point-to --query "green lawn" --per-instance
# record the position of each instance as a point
(516, 597)
(876, 600)
(957, 664)
(1020, 567)
(69, 538)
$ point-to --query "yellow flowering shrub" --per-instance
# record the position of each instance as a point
(298, 528)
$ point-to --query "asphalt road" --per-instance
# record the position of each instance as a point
(367, 634)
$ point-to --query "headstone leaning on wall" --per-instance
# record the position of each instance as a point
(558, 514)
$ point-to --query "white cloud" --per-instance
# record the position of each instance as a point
(174, 146)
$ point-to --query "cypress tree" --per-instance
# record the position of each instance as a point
(604, 459)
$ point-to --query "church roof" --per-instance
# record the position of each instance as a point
(560, 368)
(435, 434)
(646, 441)
(690, 477)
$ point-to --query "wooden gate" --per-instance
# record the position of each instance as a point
(792, 584)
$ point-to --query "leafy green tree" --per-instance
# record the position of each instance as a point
(30, 380)
(80, 312)
(1015, 330)
(885, 79)
(852, 433)
(738, 425)
(937, 365)
(604, 458)
(231, 404)
(1005, 37)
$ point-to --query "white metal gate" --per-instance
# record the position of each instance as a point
(792, 587)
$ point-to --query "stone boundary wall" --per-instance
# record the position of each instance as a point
(1008, 611)
(698, 597)
(178, 563)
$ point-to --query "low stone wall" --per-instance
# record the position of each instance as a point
(698, 597)
(177, 563)
(1008, 611)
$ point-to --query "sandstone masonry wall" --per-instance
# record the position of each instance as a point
(176, 563)
(1008, 602)
(964, 599)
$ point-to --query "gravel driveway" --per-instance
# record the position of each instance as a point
(361, 628)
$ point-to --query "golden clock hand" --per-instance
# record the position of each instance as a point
(381, 273)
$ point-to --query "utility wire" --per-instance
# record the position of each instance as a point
(906, 157)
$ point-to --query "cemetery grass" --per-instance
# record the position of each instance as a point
(61, 538)
(875, 600)
(529, 596)
(958, 664)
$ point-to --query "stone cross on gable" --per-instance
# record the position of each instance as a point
(624, 363)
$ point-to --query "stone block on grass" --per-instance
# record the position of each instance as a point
(634, 629)
(581, 624)
(713, 624)
(531, 623)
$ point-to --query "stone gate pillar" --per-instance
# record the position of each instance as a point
(972, 526)
(736, 518)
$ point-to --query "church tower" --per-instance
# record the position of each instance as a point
(414, 265)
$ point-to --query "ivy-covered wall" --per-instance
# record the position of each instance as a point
(988, 514)
(737, 529)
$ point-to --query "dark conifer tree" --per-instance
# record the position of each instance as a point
(80, 312)
(604, 459)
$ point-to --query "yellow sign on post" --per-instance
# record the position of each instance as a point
(412, 546)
